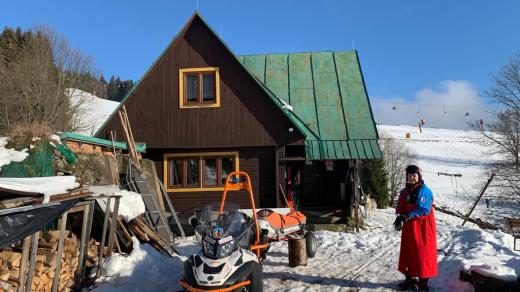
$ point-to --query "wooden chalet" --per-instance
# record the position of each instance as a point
(292, 121)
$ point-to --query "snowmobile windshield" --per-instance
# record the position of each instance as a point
(221, 233)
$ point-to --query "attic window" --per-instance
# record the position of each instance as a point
(199, 88)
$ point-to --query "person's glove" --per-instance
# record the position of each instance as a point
(398, 223)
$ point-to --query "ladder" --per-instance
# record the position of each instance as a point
(170, 205)
(153, 214)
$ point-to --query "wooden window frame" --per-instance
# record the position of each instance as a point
(183, 103)
(201, 156)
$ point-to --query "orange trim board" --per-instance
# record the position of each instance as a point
(196, 154)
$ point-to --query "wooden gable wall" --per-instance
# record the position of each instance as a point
(247, 116)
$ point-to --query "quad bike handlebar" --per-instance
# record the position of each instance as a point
(237, 181)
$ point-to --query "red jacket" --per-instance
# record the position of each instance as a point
(418, 254)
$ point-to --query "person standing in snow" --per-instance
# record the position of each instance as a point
(415, 217)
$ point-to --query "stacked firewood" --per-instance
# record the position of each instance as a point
(45, 264)
(9, 267)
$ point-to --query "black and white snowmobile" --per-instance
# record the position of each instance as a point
(229, 260)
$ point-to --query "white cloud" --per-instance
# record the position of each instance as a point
(443, 106)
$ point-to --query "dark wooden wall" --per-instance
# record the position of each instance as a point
(259, 163)
(247, 116)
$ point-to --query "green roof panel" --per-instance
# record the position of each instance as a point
(357, 111)
(328, 103)
(140, 147)
(301, 93)
(277, 75)
(328, 100)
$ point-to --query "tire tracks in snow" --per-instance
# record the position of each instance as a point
(359, 269)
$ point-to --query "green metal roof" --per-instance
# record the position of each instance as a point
(140, 147)
(328, 97)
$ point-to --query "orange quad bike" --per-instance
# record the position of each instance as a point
(231, 246)
(275, 227)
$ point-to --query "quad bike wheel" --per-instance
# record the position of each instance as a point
(311, 243)
(256, 278)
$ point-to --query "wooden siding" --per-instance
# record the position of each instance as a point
(247, 117)
(259, 163)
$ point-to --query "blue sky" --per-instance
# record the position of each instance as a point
(411, 52)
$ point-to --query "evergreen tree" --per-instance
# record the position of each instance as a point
(374, 181)
(13, 42)
(117, 88)
(112, 88)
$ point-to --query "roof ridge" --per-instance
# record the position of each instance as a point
(293, 53)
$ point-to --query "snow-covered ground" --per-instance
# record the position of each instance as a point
(367, 261)
(92, 111)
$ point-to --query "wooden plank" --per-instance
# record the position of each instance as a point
(21, 201)
(7, 192)
(32, 259)
(56, 280)
(70, 196)
(24, 262)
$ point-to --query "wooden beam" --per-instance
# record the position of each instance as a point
(24, 263)
(478, 198)
(59, 254)
(32, 260)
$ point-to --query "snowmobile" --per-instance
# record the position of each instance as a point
(231, 246)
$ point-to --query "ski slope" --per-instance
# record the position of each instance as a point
(455, 152)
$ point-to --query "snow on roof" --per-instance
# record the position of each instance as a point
(7, 155)
(48, 186)
(93, 111)
(131, 204)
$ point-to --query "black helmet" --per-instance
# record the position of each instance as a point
(414, 169)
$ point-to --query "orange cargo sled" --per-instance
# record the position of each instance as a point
(278, 225)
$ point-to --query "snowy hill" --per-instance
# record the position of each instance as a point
(93, 111)
(456, 152)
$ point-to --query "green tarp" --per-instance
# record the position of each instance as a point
(38, 163)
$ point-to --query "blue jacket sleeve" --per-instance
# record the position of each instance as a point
(424, 202)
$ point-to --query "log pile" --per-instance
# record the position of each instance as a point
(45, 264)
(145, 233)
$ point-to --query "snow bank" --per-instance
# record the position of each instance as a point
(131, 204)
(48, 186)
(145, 269)
(497, 272)
(8, 155)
